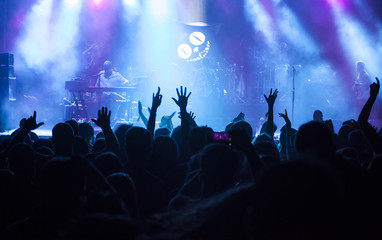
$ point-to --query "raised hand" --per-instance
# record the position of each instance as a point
(286, 118)
(157, 100)
(30, 123)
(271, 97)
(374, 88)
(182, 98)
(103, 120)
(192, 115)
(239, 117)
(140, 107)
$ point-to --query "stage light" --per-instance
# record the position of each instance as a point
(198, 49)
(197, 38)
(71, 3)
(97, 2)
(184, 51)
(133, 4)
(337, 3)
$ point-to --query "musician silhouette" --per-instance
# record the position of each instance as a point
(361, 85)
(110, 78)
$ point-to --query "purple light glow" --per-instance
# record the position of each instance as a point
(254, 46)
(338, 3)
(97, 2)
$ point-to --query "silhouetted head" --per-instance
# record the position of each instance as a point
(80, 146)
(199, 138)
(138, 143)
(42, 143)
(107, 66)
(99, 145)
(120, 132)
(296, 200)
(243, 125)
(63, 139)
(161, 132)
(125, 187)
(267, 152)
(166, 122)
(86, 130)
(343, 135)
(21, 158)
(315, 139)
(74, 126)
(164, 156)
(62, 182)
(219, 165)
(108, 163)
(318, 116)
(360, 66)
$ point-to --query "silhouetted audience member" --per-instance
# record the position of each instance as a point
(87, 132)
(74, 126)
(63, 139)
(139, 183)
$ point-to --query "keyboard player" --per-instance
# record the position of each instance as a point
(109, 77)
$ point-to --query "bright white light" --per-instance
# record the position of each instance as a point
(256, 13)
(358, 42)
(197, 38)
(71, 3)
(160, 10)
(97, 2)
(131, 3)
(184, 51)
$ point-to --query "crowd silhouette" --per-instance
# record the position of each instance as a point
(189, 182)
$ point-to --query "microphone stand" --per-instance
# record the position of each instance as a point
(293, 91)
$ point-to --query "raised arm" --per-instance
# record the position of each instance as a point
(103, 121)
(157, 100)
(288, 126)
(28, 125)
(270, 101)
(141, 115)
(185, 127)
(366, 110)
(373, 139)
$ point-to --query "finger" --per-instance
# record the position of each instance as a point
(105, 113)
(94, 120)
(99, 113)
(377, 81)
(181, 90)
(177, 92)
(185, 91)
(189, 95)
(108, 115)
(175, 100)
(34, 114)
(160, 97)
(265, 97)
(40, 124)
(270, 92)
(286, 113)
(158, 91)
